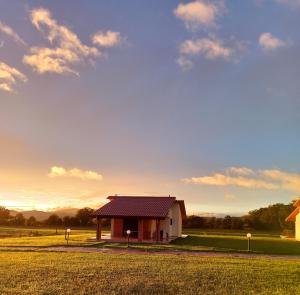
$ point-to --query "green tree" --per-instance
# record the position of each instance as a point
(4, 216)
(31, 221)
(84, 216)
(19, 219)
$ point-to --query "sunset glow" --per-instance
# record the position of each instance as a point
(180, 99)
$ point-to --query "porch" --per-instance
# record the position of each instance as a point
(146, 230)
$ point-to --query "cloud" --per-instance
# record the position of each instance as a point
(56, 171)
(224, 180)
(211, 48)
(268, 42)
(288, 181)
(245, 177)
(68, 51)
(185, 63)
(9, 77)
(240, 170)
(198, 14)
(11, 33)
(107, 39)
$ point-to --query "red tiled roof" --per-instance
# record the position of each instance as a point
(128, 206)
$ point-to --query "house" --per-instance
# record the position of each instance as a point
(295, 216)
(149, 219)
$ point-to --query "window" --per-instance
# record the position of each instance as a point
(171, 221)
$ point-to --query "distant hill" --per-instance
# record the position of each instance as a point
(42, 215)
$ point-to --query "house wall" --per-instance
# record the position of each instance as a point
(297, 224)
(174, 229)
(116, 229)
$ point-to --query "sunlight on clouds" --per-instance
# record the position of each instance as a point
(261, 179)
(69, 49)
(107, 39)
(11, 33)
(224, 180)
(75, 172)
(210, 48)
(9, 77)
(270, 43)
(288, 181)
(197, 13)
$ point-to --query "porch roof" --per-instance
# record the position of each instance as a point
(138, 206)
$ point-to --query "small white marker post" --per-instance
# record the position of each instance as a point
(67, 235)
(249, 238)
(128, 232)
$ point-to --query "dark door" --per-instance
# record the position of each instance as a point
(133, 225)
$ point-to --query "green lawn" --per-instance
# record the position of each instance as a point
(97, 273)
(261, 243)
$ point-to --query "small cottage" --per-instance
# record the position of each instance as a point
(295, 216)
(157, 219)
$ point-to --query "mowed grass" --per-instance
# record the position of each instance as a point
(42, 237)
(97, 273)
(261, 243)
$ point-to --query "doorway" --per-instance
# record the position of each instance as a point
(133, 225)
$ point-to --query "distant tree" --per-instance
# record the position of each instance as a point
(31, 221)
(4, 216)
(237, 223)
(66, 221)
(19, 219)
(84, 216)
(227, 222)
(194, 222)
(74, 221)
(53, 220)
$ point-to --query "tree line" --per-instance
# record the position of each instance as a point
(81, 219)
(268, 218)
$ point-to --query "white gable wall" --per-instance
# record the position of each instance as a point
(174, 229)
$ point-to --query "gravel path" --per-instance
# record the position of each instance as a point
(151, 252)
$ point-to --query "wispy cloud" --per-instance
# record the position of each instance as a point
(11, 33)
(107, 39)
(210, 48)
(68, 50)
(268, 42)
(57, 171)
(198, 13)
(245, 177)
(184, 63)
(9, 77)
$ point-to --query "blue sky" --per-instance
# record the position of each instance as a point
(198, 99)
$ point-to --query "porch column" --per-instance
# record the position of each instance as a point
(157, 230)
(98, 231)
(140, 230)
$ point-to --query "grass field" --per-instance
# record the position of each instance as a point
(98, 273)
(198, 240)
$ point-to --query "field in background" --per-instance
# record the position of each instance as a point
(98, 273)
(197, 240)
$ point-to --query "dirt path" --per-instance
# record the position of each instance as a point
(151, 252)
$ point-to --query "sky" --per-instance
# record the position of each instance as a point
(194, 99)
